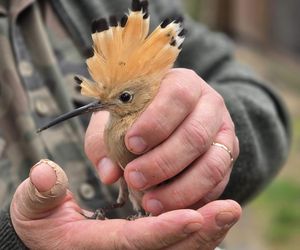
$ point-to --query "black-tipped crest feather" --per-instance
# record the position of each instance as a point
(124, 20)
(113, 21)
(89, 52)
(99, 25)
(146, 15)
(78, 80)
(165, 23)
(179, 19)
(182, 32)
(136, 5)
(145, 5)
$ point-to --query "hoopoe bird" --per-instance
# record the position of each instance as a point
(127, 67)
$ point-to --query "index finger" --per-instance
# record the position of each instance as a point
(94, 137)
(96, 151)
(176, 98)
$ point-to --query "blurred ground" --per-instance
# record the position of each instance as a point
(272, 220)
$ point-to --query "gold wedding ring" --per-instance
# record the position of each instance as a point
(225, 148)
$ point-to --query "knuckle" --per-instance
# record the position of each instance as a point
(160, 125)
(203, 241)
(217, 167)
(196, 136)
(164, 166)
(231, 124)
(185, 93)
(186, 88)
(155, 121)
(179, 199)
(219, 100)
(192, 74)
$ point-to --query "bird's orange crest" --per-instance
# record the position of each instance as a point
(125, 51)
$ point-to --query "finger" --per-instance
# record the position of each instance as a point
(213, 194)
(227, 137)
(94, 137)
(177, 96)
(145, 233)
(42, 192)
(187, 143)
(199, 179)
(95, 149)
(219, 217)
(219, 189)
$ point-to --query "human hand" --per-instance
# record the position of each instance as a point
(175, 135)
(46, 216)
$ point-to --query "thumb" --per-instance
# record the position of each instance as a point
(44, 190)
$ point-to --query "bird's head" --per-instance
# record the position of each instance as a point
(127, 64)
(124, 99)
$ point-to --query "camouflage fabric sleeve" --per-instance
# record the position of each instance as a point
(36, 85)
(9, 238)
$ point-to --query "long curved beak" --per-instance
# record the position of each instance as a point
(91, 107)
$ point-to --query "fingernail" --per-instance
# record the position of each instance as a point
(137, 144)
(154, 206)
(137, 179)
(225, 219)
(104, 167)
(192, 228)
(43, 176)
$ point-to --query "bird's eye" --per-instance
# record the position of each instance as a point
(125, 97)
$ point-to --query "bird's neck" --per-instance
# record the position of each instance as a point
(114, 136)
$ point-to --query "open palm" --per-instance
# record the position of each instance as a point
(46, 216)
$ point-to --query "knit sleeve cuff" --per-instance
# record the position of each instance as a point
(8, 237)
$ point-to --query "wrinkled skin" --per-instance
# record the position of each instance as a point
(183, 120)
(186, 116)
(45, 216)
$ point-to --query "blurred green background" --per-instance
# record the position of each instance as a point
(267, 36)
